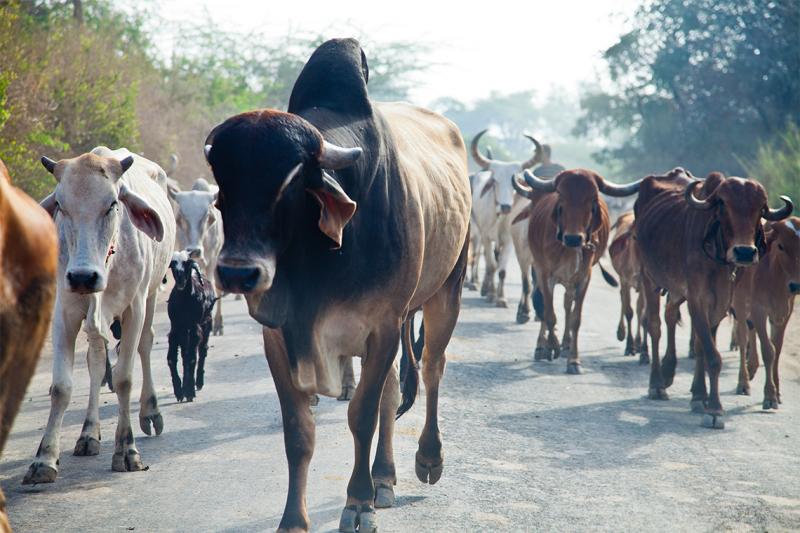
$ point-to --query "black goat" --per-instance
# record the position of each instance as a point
(189, 307)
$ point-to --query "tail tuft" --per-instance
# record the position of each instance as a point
(611, 280)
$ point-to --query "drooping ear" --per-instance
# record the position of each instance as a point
(490, 183)
(49, 204)
(525, 213)
(144, 217)
(761, 241)
(335, 209)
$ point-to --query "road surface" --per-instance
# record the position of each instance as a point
(527, 447)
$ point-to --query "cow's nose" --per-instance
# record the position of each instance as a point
(194, 253)
(794, 287)
(505, 209)
(83, 281)
(573, 240)
(238, 279)
(744, 254)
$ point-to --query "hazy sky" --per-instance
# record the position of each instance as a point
(501, 45)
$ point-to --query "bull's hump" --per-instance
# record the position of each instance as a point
(335, 77)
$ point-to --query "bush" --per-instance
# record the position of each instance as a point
(777, 164)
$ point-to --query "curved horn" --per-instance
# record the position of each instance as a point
(333, 157)
(618, 191)
(537, 154)
(781, 212)
(207, 152)
(538, 184)
(48, 163)
(476, 155)
(522, 190)
(692, 200)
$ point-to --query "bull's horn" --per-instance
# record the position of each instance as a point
(207, 152)
(612, 189)
(48, 163)
(537, 154)
(476, 155)
(781, 212)
(521, 189)
(539, 184)
(334, 157)
(692, 200)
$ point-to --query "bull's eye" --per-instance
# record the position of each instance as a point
(780, 247)
(112, 208)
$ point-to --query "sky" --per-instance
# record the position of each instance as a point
(498, 45)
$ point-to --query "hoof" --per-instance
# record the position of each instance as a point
(347, 393)
(218, 332)
(428, 473)
(470, 286)
(537, 318)
(129, 461)
(384, 495)
(657, 393)
(691, 354)
(713, 421)
(523, 318)
(156, 420)
(743, 390)
(620, 333)
(501, 302)
(40, 473)
(698, 406)
(644, 358)
(313, 400)
(769, 404)
(86, 446)
(574, 368)
(363, 521)
(542, 353)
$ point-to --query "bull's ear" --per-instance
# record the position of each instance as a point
(488, 187)
(144, 217)
(49, 204)
(335, 209)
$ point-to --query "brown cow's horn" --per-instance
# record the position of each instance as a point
(334, 157)
(521, 189)
(537, 154)
(692, 200)
(612, 189)
(48, 163)
(539, 184)
(476, 155)
(781, 212)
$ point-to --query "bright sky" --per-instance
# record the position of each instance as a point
(501, 45)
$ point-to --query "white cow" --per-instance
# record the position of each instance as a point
(116, 233)
(200, 231)
(519, 236)
(492, 198)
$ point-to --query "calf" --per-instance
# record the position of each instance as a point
(189, 307)
(766, 293)
(28, 263)
(116, 232)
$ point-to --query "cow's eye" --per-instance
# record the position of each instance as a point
(112, 207)
(780, 247)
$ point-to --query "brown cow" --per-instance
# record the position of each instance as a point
(625, 259)
(766, 293)
(567, 233)
(28, 255)
(694, 248)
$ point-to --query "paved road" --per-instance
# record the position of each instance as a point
(527, 447)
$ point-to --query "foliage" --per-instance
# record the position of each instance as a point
(777, 164)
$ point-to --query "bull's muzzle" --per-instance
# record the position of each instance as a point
(84, 281)
(745, 255)
(794, 287)
(239, 279)
(573, 240)
(505, 209)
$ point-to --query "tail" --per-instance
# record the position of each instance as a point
(611, 280)
(409, 364)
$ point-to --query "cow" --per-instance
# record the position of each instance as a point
(116, 232)
(343, 217)
(29, 257)
(694, 248)
(567, 234)
(625, 260)
(766, 293)
(199, 231)
(492, 199)
(471, 282)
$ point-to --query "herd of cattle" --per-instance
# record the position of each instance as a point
(338, 221)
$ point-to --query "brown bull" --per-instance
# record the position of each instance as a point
(694, 249)
(767, 293)
(625, 259)
(28, 254)
(567, 233)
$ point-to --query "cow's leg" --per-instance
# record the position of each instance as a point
(89, 440)
(524, 307)
(705, 332)
(487, 287)
(547, 343)
(474, 258)
(172, 360)
(362, 417)
(348, 380)
(752, 350)
(65, 329)
(625, 316)
(205, 333)
(698, 389)
(126, 457)
(778, 331)
(536, 315)
(768, 354)
(298, 432)
(149, 414)
(573, 361)
(383, 470)
(506, 249)
(641, 339)
(739, 339)
(734, 337)
(657, 389)
(218, 327)
(672, 315)
(566, 339)
(190, 362)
